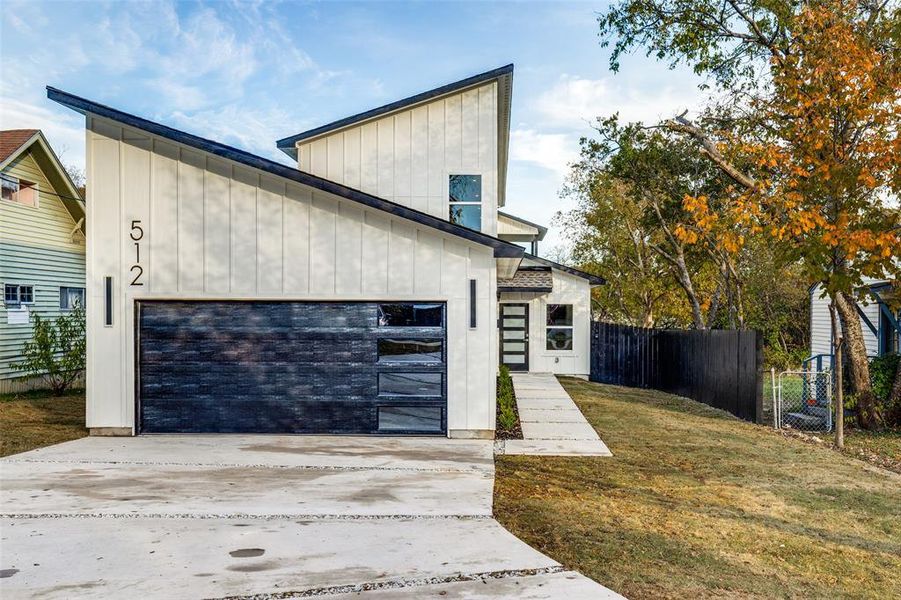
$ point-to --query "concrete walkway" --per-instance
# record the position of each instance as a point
(552, 424)
(237, 516)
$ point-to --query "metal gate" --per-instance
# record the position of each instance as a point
(803, 400)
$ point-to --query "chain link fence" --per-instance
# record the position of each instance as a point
(803, 400)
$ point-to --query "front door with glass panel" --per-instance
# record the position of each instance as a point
(514, 336)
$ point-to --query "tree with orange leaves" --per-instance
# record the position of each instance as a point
(808, 133)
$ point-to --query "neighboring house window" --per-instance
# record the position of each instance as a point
(16, 295)
(19, 190)
(70, 297)
(559, 326)
(465, 200)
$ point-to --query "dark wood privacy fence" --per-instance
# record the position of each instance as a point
(721, 368)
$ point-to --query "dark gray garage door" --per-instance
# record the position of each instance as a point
(291, 367)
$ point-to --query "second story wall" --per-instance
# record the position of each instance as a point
(407, 157)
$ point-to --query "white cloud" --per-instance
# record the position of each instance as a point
(552, 151)
(574, 102)
(254, 130)
(64, 131)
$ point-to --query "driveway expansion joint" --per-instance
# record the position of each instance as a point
(249, 465)
(245, 516)
(397, 584)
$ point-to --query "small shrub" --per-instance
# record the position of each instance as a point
(506, 401)
(882, 375)
(56, 350)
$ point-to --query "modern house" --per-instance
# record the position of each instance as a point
(42, 244)
(372, 289)
(879, 321)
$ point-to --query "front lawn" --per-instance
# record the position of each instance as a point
(697, 504)
(35, 419)
(882, 448)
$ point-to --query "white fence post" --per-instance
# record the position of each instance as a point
(776, 417)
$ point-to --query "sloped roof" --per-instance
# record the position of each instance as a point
(501, 248)
(504, 77)
(15, 142)
(13, 139)
(528, 279)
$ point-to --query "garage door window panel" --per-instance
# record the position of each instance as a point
(411, 315)
(399, 350)
(411, 384)
(411, 418)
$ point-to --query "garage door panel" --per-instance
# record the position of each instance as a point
(276, 314)
(197, 415)
(287, 367)
(361, 352)
(232, 387)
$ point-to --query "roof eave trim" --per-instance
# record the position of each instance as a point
(542, 231)
(524, 290)
(501, 248)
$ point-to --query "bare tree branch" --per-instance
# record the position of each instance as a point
(708, 148)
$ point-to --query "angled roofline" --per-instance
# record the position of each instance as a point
(501, 248)
(59, 178)
(592, 279)
(288, 144)
(504, 77)
(542, 231)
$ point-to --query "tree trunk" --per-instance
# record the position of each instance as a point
(839, 420)
(868, 416)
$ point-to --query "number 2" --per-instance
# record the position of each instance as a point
(138, 276)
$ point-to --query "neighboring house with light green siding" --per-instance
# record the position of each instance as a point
(42, 244)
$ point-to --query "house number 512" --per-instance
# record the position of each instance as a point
(136, 235)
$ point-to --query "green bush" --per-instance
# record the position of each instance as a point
(506, 401)
(777, 357)
(882, 375)
(56, 350)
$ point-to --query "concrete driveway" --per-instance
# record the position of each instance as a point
(264, 517)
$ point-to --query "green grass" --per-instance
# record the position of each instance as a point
(34, 419)
(884, 444)
(697, 504)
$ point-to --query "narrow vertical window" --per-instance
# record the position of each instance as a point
(472, 303)
(465, 200)
(108, 301)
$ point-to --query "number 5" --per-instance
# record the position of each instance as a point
(136, 232)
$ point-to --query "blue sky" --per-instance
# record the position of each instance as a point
(248, 73)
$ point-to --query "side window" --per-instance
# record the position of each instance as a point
(19, 190)
(465, 200)
(16, 295)
(70, 297)
(559, 327)
(10, 186)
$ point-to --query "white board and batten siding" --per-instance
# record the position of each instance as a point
(567, 289)
(214, 229)
(821, 324)
(406, 157)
